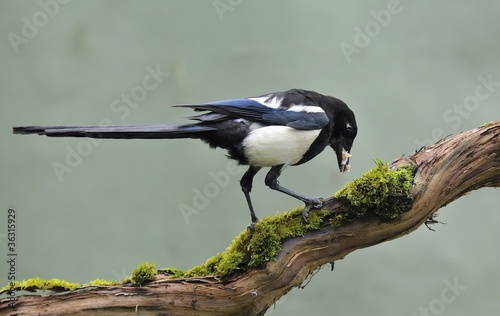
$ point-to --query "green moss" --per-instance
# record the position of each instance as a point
(140, 275)
(221, 264)
(101, 282)
(269, 233)
(37, 284)
(254, 248)
(197, 271)
(382, 191)
(487, 124)
(225, 262)
(338, 219)
(143, 273)
(173, 272)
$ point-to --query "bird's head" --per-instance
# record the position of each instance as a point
(344, 133)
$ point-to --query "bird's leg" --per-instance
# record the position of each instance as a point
(246, 187)
(272, 182)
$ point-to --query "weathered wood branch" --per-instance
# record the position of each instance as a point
(445, 171)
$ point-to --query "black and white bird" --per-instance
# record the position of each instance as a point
(274, 130)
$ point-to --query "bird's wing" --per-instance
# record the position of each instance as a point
(264, 110)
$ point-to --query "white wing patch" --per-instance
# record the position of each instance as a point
(306, 108)
(275, 103)
(275, 145)
(272, 103)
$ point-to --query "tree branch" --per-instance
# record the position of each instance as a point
(445, 171)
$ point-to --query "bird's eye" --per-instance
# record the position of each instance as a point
(350, 131)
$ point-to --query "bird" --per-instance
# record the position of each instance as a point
(274, 130)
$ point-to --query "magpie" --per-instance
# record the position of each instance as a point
(274, 130)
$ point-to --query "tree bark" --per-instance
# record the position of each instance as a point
(445, 171)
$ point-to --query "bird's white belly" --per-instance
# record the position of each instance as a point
(275, 145)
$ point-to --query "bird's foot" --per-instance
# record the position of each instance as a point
(251, 226)
(315, 203)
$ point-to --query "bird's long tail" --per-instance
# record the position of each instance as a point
(119, 131)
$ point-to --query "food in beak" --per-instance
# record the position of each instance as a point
(344, 166)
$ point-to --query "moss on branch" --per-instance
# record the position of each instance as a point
(381, 191)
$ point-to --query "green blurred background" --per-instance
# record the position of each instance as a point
(405, 69)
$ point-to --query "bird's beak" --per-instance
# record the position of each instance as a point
(343, 156)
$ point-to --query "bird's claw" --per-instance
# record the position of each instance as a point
(315, 203)
(251, 226)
